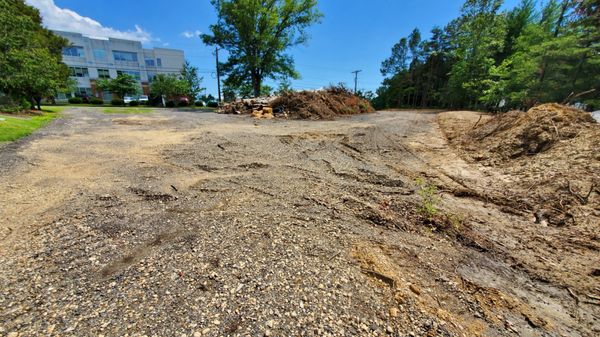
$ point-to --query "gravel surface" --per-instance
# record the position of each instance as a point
(193, 224)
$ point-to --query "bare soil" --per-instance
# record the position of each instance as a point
(180, 223)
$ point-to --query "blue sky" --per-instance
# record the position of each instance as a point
(353, 35)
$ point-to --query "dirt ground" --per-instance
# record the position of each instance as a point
(199, 224)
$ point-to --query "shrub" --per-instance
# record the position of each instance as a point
(182, 103)
(96, 101)
(134, 103)
(75, 100)
(117, 101)
(199, 103)
(213, 104)
(170, 104)
(429, 199)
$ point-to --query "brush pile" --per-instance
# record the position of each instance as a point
(314, 105)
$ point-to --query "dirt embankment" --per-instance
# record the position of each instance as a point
(550, 156)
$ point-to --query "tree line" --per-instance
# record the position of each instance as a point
(492, 59)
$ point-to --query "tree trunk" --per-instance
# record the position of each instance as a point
(38, 101)
(256, 83)
(32, 102)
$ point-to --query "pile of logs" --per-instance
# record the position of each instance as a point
(257, 108)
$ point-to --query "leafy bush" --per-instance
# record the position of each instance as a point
(213, 104)
(429, 199)
(96, 101)
(182, 104)
(75, 100)
(134, 103)
(170, 104)
(117, 102)
(199, 103)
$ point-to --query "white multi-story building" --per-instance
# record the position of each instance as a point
(90, 59)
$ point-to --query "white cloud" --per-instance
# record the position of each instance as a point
(67, 20)
(191, 35)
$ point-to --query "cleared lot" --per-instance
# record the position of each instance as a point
(173, 223)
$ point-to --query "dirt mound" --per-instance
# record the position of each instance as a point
(516, 134)
(547, 160)
(326, 104)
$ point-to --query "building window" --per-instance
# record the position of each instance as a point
(103, 73)
(125, 56)
(73, 51)
(159, 62)
(79, 72)
(151, 77)
(150, 63)
(100, 54)
(83, 92)
(134, 74)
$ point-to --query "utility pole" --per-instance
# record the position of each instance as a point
(218, 75)
(356, 80)
(217, 56)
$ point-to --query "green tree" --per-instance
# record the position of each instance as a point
(244, 91)
(552, 59)
(121, 86)
(285, 86)
(30, 56)
(516, 20)
(480, 37)
(257, 33)
(397, 61)
(189, 73)
(208, 98)
(168, 86)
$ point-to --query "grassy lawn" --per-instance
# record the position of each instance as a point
(126, 110)
(13, 127)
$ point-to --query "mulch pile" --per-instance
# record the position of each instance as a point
(314, 105)
(551, 154)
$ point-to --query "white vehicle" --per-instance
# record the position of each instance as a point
(143, 99)
(128, 99)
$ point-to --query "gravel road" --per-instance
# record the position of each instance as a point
(177, 223)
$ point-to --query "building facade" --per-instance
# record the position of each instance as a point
(90, 59)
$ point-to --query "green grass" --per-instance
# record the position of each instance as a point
(14, 127)
(126, 110)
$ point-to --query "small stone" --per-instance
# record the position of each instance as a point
(415, 289)
(197, 334)
(206, 331)
(394, 312)
(268, 333)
